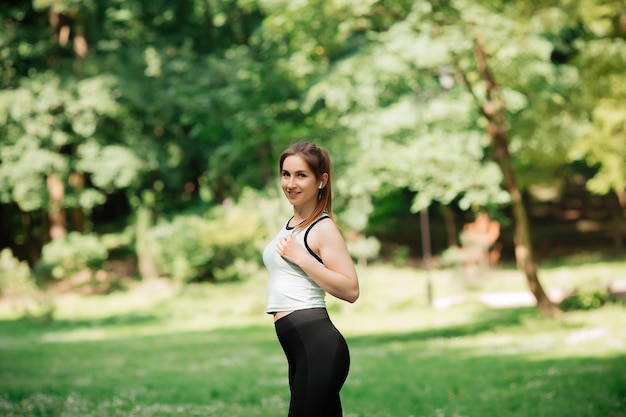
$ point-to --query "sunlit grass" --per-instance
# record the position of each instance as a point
(211, 351)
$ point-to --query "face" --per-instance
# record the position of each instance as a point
(298, 182)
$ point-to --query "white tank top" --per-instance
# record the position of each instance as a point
(289, 287)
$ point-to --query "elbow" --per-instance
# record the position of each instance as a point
(353, 296)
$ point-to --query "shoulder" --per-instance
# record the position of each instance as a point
(326, 240)
(324, 218)
(322, 230)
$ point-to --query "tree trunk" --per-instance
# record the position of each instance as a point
(618, 227)
(147, 265)
(494, 110)
(448, 217)
(56, 212)
(77, 213)
(32, 247)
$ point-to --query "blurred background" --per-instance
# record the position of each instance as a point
(139, 139)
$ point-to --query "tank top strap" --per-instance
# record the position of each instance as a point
(306, 235)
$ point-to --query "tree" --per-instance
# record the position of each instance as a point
(420, 97)
(136, 110)
(599, 51)
(49, 129)
(125, 97)
(494, 110)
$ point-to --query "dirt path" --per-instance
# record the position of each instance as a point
(505, 299)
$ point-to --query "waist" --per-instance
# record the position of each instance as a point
(290, 320)
(280, 314)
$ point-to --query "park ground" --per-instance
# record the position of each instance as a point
(209, 350)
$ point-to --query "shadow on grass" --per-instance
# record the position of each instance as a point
(36, 324)
(487, 320)
(483, 320)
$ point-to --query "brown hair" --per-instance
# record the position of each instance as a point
(318, 160)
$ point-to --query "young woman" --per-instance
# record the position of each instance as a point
(307, 259)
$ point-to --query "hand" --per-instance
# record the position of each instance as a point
(290, 249)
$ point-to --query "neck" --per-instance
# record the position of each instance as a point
(302, 213)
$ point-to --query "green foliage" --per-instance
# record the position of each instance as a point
(222, 245)
(603, 142)
(451, 257)
(407, 127)
(193, 100)
(177, 250)
(110, 167)
(15, 276)
(76, 252)
(364, 248)
(585, 300)
(400, 255)
(45, 118)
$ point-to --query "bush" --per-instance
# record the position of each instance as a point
(364, 248)
(15, 275)
(400, 255)
(18, 285)
(62, 258)
(221, 246)
(585, 300)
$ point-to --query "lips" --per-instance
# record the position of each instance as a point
(292, 194)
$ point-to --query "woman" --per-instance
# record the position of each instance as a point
(307, 259)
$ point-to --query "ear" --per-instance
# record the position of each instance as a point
(323, 180)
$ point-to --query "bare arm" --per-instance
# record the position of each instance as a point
(337, 276)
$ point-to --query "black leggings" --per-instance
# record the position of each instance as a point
(318, 360)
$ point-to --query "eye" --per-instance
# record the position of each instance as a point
(285, 174)
(302, 175)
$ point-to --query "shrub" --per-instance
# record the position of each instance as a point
(15, 275)
(176, 248)
(18, 285)
(400, 255)
(451, 257)
(364, 248)
(588, 300)
(221, 246)
(62, 258)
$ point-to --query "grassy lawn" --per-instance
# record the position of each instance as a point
(210, 351)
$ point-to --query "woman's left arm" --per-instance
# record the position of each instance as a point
(337, 276)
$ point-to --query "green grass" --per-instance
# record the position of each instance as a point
(210, 351)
